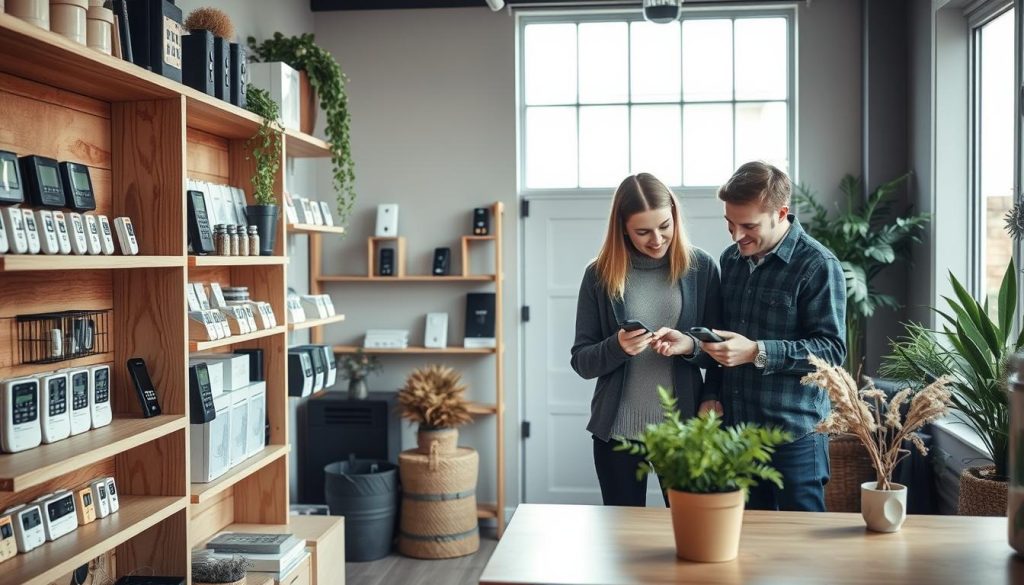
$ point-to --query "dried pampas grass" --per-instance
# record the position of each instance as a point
(432, 397)
(877, 423)
(211, 19)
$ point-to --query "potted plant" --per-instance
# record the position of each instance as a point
(973, 351)
(866, 238)
(883, 430)
(706, 470)
(355, 368)
(264, 149)
(327, 80)
(432, 398)
(208, 571)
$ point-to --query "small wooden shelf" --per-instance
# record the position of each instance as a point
(202, 492)
(310, 323)
(54, 559)
(301, 145)
(30, 262)
(218, 117)
(482, 408)
(486, 510)
(305, 228)
(20, 471)
(205, 345)
(478, 238)
(415, 350)
(416, 278)
(200, 261)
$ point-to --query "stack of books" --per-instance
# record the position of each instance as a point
(386, 339)
(268, 553)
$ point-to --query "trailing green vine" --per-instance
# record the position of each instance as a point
(327, 79)
(265, 146)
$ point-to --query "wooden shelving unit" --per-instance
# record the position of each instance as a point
(408, 279)
(142, 136)
(417, 350)
(311, 323)
(305, 228)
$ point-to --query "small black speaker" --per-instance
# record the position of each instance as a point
(481, 221)
(197, 61)
(222, 69)
(386, 267)
(238, 68)
(442, 261)
(156, 36)
(255, 363)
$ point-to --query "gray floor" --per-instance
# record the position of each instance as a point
(398, 570)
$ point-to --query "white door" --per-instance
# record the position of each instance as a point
(560, 237)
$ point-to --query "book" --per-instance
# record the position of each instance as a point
(248, 542)
(269, 563)
(123, 29)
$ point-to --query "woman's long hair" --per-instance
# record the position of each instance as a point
(638, 193)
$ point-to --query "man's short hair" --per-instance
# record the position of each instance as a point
(757, 182)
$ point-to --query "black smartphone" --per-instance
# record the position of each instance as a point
(634, 325)
(143, 387)
(706, 335)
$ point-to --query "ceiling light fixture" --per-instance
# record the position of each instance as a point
(661, 11)
(496, 5)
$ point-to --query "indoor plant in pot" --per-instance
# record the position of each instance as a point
(209, 571)
(973, 351)
(264, 149)
(432, 397)
(706, 470)
(355, 368)
(883, 430)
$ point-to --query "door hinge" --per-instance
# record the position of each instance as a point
(524, 313)
(526, 429)
(524, 208)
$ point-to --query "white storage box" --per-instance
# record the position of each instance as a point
(239, 425)
(236, 368)
(216, 370)
(257, 411)
(282, 82)
(210, 443)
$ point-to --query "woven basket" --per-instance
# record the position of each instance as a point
(438, 517)
(851, 467)
(979, 495)
(239, 582)
(446, 440)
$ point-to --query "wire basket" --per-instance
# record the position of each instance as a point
(45, 338)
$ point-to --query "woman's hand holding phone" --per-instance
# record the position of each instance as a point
(669, 342)
(634, 342)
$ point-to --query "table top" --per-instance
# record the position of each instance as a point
(601, 545)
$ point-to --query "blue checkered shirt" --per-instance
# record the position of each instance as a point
(794, 302)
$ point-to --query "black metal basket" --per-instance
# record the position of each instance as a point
(45, 338)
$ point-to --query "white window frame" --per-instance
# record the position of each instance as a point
(524, 18)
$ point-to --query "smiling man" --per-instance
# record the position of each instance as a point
(783, 298)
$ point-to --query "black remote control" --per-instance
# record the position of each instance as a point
(201, 406)
(143, 387)
(199, 233)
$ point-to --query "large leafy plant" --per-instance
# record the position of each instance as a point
(700, 456)
(867, 237)
(972, 350)
(265, 146)
(325, 75)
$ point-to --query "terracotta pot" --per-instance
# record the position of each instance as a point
(308, 104)
(707, 526)
(446, 441)
(883, 510)
(980, 495)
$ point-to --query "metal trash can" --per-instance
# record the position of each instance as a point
(365, 492)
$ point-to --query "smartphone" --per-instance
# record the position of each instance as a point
(706, 335)
(634, 325)
(143, 387)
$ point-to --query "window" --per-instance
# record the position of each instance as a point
(602, 97)
(993, 150)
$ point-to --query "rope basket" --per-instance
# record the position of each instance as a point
(438, 517)
(851, 467)
(980, 495)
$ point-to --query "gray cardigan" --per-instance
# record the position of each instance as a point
(596, 352)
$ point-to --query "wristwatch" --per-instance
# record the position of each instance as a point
(761, 359)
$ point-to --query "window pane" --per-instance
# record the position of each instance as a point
(995, 150)
(707, 60)
(654, 62)
(604, 63)
(550, 69)
(654, 139)
(604, 145)
(550, 147)
(762, 133)
(761, 63)
(707, 144)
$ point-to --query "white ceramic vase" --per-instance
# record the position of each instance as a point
(883, 510)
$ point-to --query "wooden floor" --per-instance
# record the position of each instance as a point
(398, 570)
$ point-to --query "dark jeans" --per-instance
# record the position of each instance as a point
(805, 471)
(616, 472)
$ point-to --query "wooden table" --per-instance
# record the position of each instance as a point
(612, 546)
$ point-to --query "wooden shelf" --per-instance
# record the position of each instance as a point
(20, 471)
(300, 145)
(202, 492)
(310, 323)
(218, 117)
(305, 228)
(54, 559)
(486, 510)
(415, 350)
(417, 278)
(202, 261)
(478, 238)
(36, 262)
(205, 345)
(482, 408)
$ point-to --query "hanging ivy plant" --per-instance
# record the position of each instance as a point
(265, 146)
(325, 75)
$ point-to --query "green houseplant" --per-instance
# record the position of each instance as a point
(264, 149)
(355, 368)
(706, 470)
(973, 351)
(325, 76)
(867, 237)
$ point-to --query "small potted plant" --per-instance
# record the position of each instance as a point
(264, 149)
(207, 571)
(706, 470)
(432, 397)
(355, 368)
(883, 430)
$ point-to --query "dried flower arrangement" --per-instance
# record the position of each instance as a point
(432, 397)
(211, 19)
(359, 365)
(877, 424)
